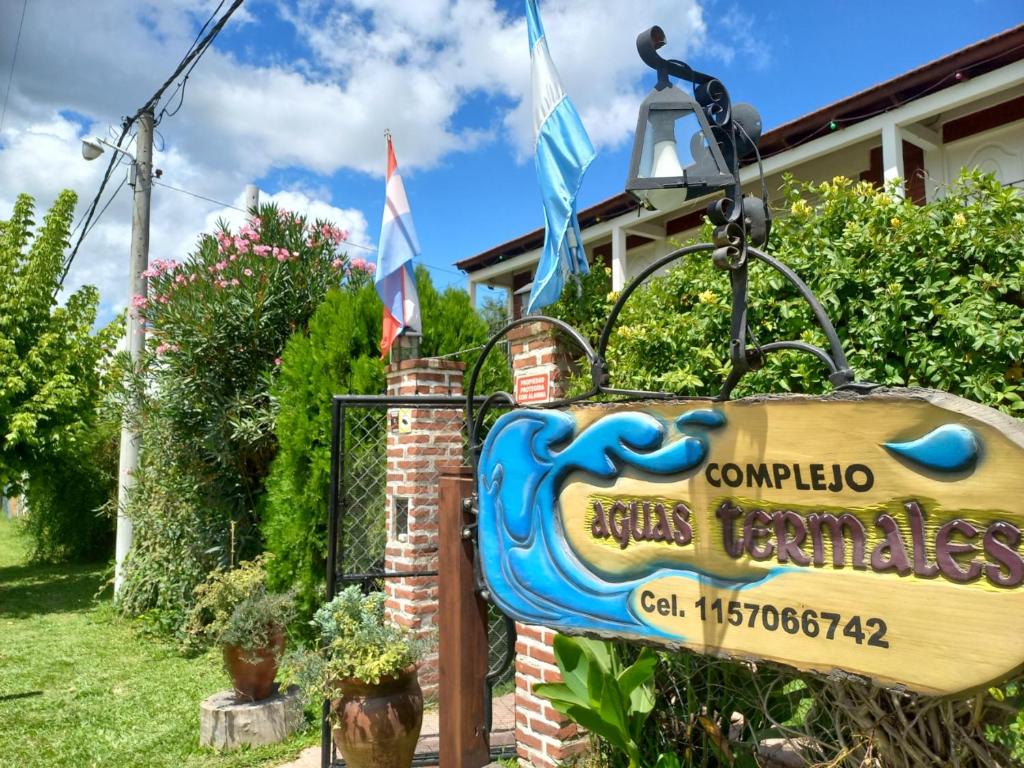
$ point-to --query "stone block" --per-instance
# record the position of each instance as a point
(226, 722)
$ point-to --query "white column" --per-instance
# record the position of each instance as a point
(472, 293)
(618, 258)
(892, 155)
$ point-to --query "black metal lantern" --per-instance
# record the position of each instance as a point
(672, 151)
(684, 142)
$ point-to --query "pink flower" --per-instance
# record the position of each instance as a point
(140, 302)
(371, 268)
(193, 277)
(235, 281)
(180, 279)
(338, 263)
(162, 348)
(247, 272)
(277, 361)
(358, 263)
(163, 299)
(261, 250)
(221, 265)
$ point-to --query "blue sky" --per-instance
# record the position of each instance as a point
(296, 97)
(809, 54)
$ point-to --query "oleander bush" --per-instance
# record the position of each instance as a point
(217, 325)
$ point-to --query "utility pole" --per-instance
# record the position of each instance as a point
(142, 171)
(252, 198)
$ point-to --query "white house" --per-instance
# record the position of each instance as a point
(924, 126)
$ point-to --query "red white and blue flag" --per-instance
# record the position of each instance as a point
(394, 280)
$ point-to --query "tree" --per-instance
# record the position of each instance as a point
(340, 354)
(49, 356)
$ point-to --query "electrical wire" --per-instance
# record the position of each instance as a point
(199, 197)
(109, 201)
(189, 61)
(14, 60)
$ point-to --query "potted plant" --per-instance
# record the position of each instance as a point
(234, 609)
(368, 669)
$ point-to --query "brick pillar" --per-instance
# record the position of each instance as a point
(420, 442)
(544, 738)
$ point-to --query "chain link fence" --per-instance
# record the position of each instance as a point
(365, 508)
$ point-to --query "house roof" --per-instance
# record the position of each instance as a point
(977, 59)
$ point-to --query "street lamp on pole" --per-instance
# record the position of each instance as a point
(142, 183)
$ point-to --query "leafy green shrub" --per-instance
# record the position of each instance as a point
(49, 356)
(355, 642)
(340, 354)
(69, 499)
(668, 710)
(598, 691)
(218, 323)
(235, 608)
(50, 385)
(920, 296)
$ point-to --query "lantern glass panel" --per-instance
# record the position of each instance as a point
(673, 143)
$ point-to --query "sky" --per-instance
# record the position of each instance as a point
(295, 96)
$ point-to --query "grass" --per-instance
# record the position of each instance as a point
(78, 686)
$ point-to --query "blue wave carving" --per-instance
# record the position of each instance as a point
(704, 417)
(531, 571)
(949, 448)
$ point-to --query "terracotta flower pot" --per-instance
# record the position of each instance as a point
(377, 726)
(252, 672)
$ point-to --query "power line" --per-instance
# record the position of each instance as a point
(109, 201)
(192, 57)
(14, 59)
(200, 197)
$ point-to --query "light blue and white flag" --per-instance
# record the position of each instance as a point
(563, 154)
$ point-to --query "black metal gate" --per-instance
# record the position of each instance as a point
(357, 538)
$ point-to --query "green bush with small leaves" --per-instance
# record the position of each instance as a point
(929, 296)
(356, 642)
(234, 607)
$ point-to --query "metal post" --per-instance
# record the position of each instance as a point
(252, 198)
(129, 460)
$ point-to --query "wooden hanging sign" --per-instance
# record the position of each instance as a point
(871, 535)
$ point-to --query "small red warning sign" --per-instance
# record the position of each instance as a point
(535, 388)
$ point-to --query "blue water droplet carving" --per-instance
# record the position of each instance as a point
(949, 448)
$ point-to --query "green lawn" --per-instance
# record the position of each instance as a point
(79, 688)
